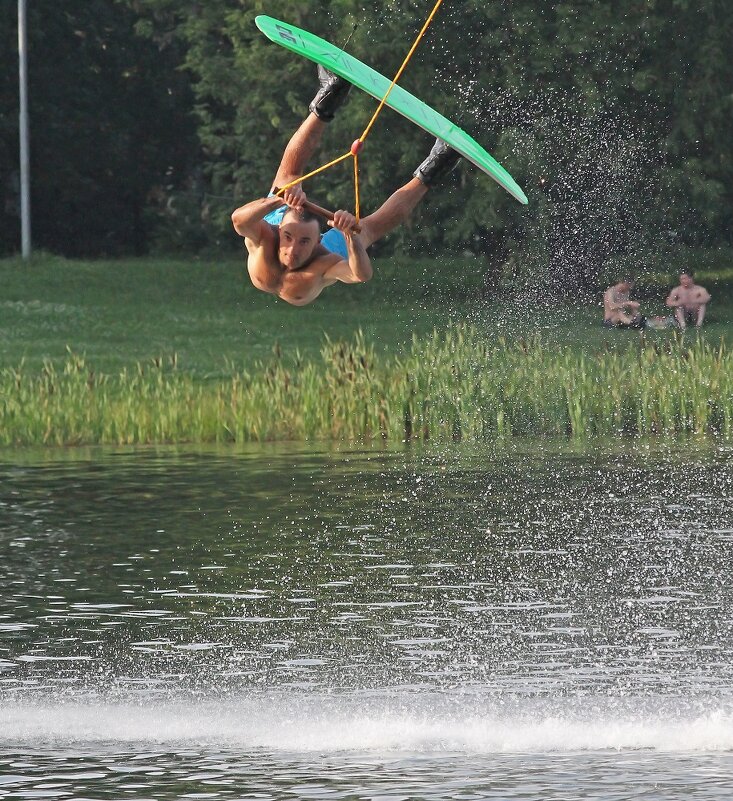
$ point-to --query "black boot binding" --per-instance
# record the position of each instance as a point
(330, 96)
(440, 161)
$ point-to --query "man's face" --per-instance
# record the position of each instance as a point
(627, 286)
(297, 242)
(685, 280)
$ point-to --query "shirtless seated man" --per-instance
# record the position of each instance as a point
(287, 255)
(689, 301)
(619, 311)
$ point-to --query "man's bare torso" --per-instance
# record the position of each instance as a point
(612, 299)
(297, 287)
(690, 298)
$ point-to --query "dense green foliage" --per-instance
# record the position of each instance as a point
(616, 118)
(111, 129)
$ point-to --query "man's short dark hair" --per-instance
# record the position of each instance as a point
(687, 272)
(303, 216)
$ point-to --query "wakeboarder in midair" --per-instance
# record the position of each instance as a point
(287, 255)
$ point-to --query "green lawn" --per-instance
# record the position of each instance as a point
(117, 313)
(208, 314)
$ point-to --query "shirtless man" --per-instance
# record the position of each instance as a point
(287, 255)
(619, 311)
(689, 301)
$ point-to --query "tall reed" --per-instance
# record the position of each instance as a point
(456, 384)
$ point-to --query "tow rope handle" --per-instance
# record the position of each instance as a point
(320, 211)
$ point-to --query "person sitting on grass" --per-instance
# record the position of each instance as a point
(689, 301)
(288, 257)
(619, 311)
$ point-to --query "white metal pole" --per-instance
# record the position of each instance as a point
(25, 195)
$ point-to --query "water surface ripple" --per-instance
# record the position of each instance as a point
(282, 622)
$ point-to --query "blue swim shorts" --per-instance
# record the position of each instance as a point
(332, 240)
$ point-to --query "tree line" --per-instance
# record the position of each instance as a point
(152, 119)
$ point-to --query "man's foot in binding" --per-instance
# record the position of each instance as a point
(330, 96)
(440, 161)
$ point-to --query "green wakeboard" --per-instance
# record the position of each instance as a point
(369, 80)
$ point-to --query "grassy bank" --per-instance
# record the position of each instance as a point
(171, 351)
(207, 315)
(451, 385)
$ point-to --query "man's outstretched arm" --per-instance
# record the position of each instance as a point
(249, 219)
(358, 267)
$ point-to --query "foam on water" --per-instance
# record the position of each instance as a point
(334, 725)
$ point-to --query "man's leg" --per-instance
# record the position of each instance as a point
(393, 212)
(298, 152)
(700, 315)
(624, 319)
(302, 145)
(679, 314)
(398, 207)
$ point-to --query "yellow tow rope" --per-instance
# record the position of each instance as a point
(358, 144)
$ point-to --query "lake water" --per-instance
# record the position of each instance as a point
(281, 622)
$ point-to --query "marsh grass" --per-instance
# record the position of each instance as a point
(454, 384)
